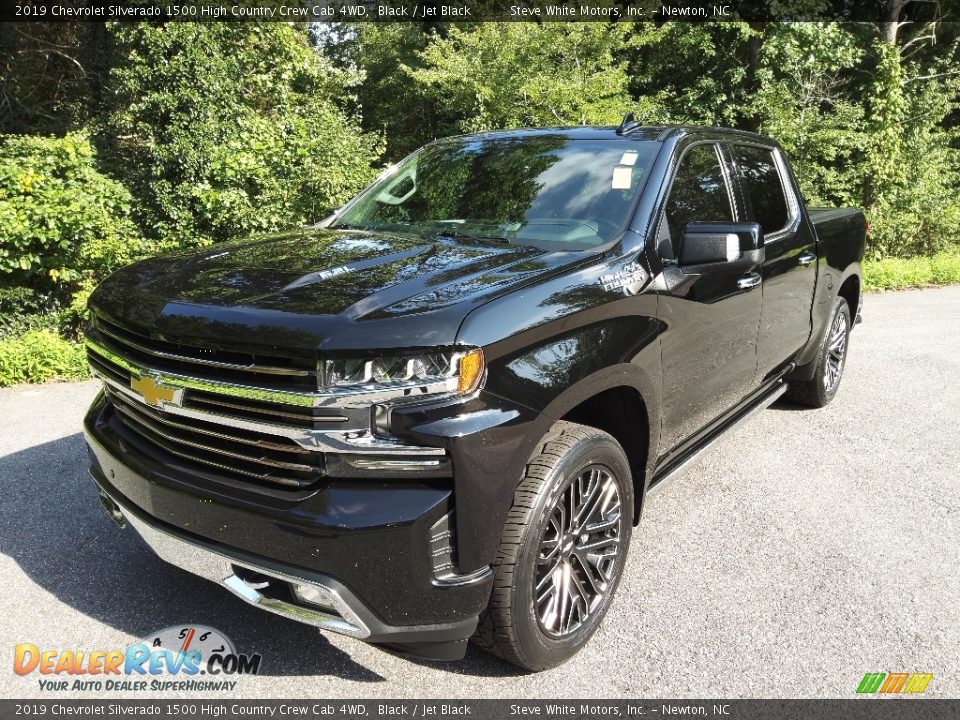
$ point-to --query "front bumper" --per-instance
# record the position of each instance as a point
(353, 557)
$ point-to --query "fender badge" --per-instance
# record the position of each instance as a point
(629, 279)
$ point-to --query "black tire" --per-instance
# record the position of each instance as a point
(563, 468)
(823, 386)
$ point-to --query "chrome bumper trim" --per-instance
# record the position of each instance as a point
(222, 569)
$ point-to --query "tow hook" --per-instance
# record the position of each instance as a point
(112, 510)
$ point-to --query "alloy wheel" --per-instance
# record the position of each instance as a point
(836, 350)
(579, 552)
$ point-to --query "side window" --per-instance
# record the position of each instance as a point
(760, 178)
(699, 193)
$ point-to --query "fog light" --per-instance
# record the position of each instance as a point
(314, 595)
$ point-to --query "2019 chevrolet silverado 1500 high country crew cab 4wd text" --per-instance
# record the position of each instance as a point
(436, 415)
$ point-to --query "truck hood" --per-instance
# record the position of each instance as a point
(320, 289)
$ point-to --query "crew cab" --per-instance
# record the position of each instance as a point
(435, 416)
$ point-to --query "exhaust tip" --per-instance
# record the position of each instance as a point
(112, 510)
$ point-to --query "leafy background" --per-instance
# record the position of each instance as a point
(119, 141)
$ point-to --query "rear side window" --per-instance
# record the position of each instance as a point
(761, 182)
(699, 193)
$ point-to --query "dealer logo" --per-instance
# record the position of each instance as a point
(894, 683)
(185, 652)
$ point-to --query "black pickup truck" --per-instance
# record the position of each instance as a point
(435, 416)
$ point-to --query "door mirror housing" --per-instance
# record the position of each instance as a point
(708, 242)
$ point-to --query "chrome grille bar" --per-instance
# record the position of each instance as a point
(264, 476)
(262, 460)
(200, 430)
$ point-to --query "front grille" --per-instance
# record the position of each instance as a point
(215, 435)
(228, 450)
(232, 418)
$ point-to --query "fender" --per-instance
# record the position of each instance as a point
(617, 376)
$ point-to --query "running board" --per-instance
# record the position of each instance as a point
(676, 468)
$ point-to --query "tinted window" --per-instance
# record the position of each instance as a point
(699, 193)
(761, 182)
(546, 189)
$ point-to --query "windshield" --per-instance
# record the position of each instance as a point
(549, 190)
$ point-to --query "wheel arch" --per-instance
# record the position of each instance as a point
(624, 402)
(850, 290)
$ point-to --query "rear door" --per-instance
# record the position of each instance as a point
(789, 270)
(709, 346)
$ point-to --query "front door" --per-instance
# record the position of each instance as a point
(709, 345)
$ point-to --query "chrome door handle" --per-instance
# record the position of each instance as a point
(806, 258)
(748, 281)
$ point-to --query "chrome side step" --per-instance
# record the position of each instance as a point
(673, 470)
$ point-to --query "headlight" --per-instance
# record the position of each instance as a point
(458, 372)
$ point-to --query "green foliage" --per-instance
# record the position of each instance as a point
(225, 129)
(38, 356)
(693, 72)
(51, 75)
(23, 309)
(912, 193)
(898, 273)
(467, 78)
(62, 221)
(498, 75)
(804, 100)
(385, 53)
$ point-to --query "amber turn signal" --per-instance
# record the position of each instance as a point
(471, 370)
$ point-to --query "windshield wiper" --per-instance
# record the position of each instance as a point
(457, 235)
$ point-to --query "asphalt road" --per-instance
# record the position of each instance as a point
(809, 548)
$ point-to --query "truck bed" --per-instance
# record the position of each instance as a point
(841, 233)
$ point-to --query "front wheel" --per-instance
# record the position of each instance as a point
(563, 549)
(831, 359)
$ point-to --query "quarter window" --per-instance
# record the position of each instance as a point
(760, 178)
(699, 193)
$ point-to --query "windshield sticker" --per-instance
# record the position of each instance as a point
(622, 177)
(629, 158)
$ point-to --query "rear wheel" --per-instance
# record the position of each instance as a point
(563, 549)
(831, 359)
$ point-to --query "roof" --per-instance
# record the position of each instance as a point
(609, 132)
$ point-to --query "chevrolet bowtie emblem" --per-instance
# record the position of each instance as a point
(152, 393)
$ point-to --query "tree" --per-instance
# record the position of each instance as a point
(501, 75)
(229, 128)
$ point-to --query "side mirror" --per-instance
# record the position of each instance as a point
(706, 242)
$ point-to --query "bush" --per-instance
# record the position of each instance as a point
(38, 356)
(61, 220)
(901, 273)
(228, 129)
(23, 309)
